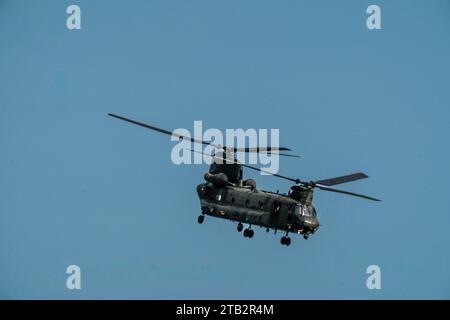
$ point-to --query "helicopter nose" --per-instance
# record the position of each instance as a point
(311, 224)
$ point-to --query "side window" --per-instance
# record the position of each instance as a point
(292, 208)
(261, 204)
(276, 207)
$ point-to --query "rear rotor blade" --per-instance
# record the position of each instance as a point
(270, 150)
(248, 166)
(342, 179)
(261, 149)
(346, 192)
(170, 133)
(285, 154)
(271, 173)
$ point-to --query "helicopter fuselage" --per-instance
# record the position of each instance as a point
(257, 208)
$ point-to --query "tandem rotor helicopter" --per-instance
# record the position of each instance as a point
(225, 194)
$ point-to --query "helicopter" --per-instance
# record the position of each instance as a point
(226, 194)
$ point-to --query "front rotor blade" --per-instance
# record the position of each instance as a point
(346, 192)
(343, 179)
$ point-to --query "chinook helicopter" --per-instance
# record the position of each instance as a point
(225, 194)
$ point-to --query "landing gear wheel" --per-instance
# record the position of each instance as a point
(305, 236)
(248, 233)
(287, 241)
(201, 219)
(240, 226)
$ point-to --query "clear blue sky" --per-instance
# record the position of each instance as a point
(78, 187)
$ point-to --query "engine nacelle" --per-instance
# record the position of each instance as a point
(219, 179)
(202, 190)
(250, 183)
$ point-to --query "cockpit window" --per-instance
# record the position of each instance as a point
(305, 210)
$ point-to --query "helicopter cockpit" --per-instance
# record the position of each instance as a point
(304, 210)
